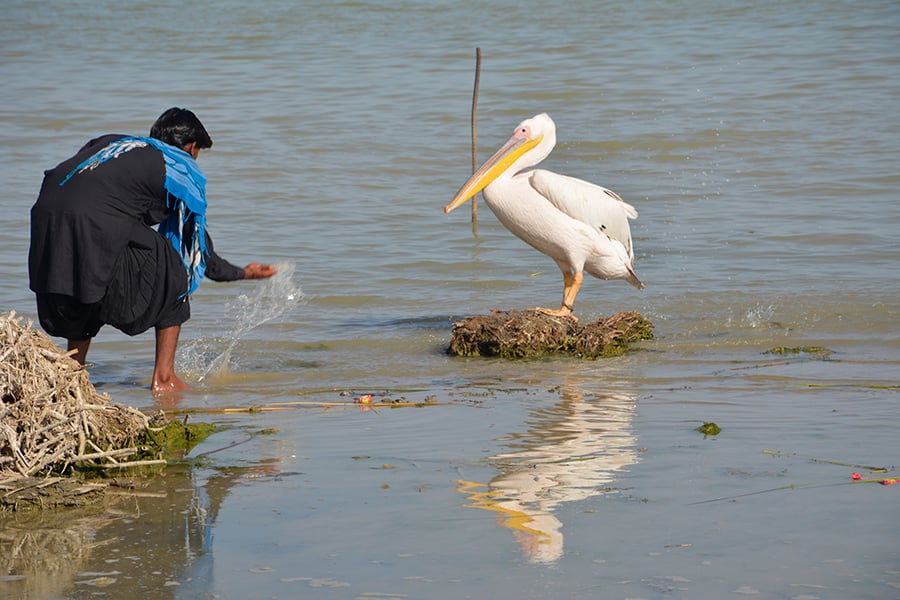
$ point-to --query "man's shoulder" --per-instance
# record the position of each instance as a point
(99, 142)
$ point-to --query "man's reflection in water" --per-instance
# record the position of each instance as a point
(571, 452)
(153, 542)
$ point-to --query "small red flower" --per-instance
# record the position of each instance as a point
(855, 476)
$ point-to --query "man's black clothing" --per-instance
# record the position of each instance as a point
(94, 256)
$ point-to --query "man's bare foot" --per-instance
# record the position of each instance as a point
(172, 383)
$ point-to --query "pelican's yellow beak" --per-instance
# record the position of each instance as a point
(495, 166)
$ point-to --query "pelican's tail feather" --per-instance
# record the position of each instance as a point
(633, 279)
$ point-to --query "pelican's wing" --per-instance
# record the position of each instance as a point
(592, 204)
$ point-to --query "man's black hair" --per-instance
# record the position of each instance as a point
(179, 127)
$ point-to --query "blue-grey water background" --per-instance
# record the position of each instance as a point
(760, 143)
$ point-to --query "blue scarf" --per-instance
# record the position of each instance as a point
(186, 190)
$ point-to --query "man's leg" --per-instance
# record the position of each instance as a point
(164, 377)
(82, 348)
(64, 316)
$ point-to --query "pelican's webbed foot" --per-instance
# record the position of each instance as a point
(563, 311)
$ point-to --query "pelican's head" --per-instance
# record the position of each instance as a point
(530, 143)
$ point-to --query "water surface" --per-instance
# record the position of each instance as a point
(759, 143)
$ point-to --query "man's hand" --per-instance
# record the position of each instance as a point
(259, 271)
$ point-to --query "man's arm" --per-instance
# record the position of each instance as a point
(219, 269)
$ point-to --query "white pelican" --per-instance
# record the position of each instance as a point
(581, 226)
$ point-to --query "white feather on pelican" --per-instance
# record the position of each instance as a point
(581, 226)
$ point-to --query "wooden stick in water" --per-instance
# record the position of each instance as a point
(474, 144)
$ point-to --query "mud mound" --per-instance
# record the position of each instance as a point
(532, 334)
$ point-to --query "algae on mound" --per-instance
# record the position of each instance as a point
(173, 439)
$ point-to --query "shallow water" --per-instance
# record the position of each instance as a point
(759, 143)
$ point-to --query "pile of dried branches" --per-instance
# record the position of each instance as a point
(532, 334)
(51, 417)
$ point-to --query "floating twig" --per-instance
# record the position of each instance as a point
(231, 445)
(137, 463)
(776, 489)
(277, 406)
(856, 478)
(830, 462)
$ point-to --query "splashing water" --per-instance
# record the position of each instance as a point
(271, 299)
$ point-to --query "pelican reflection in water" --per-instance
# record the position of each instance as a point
(572, 452)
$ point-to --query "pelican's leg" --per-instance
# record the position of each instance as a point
(571, 285)
(572, 290)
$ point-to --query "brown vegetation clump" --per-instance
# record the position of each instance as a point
(532, 334)
(51, 417)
